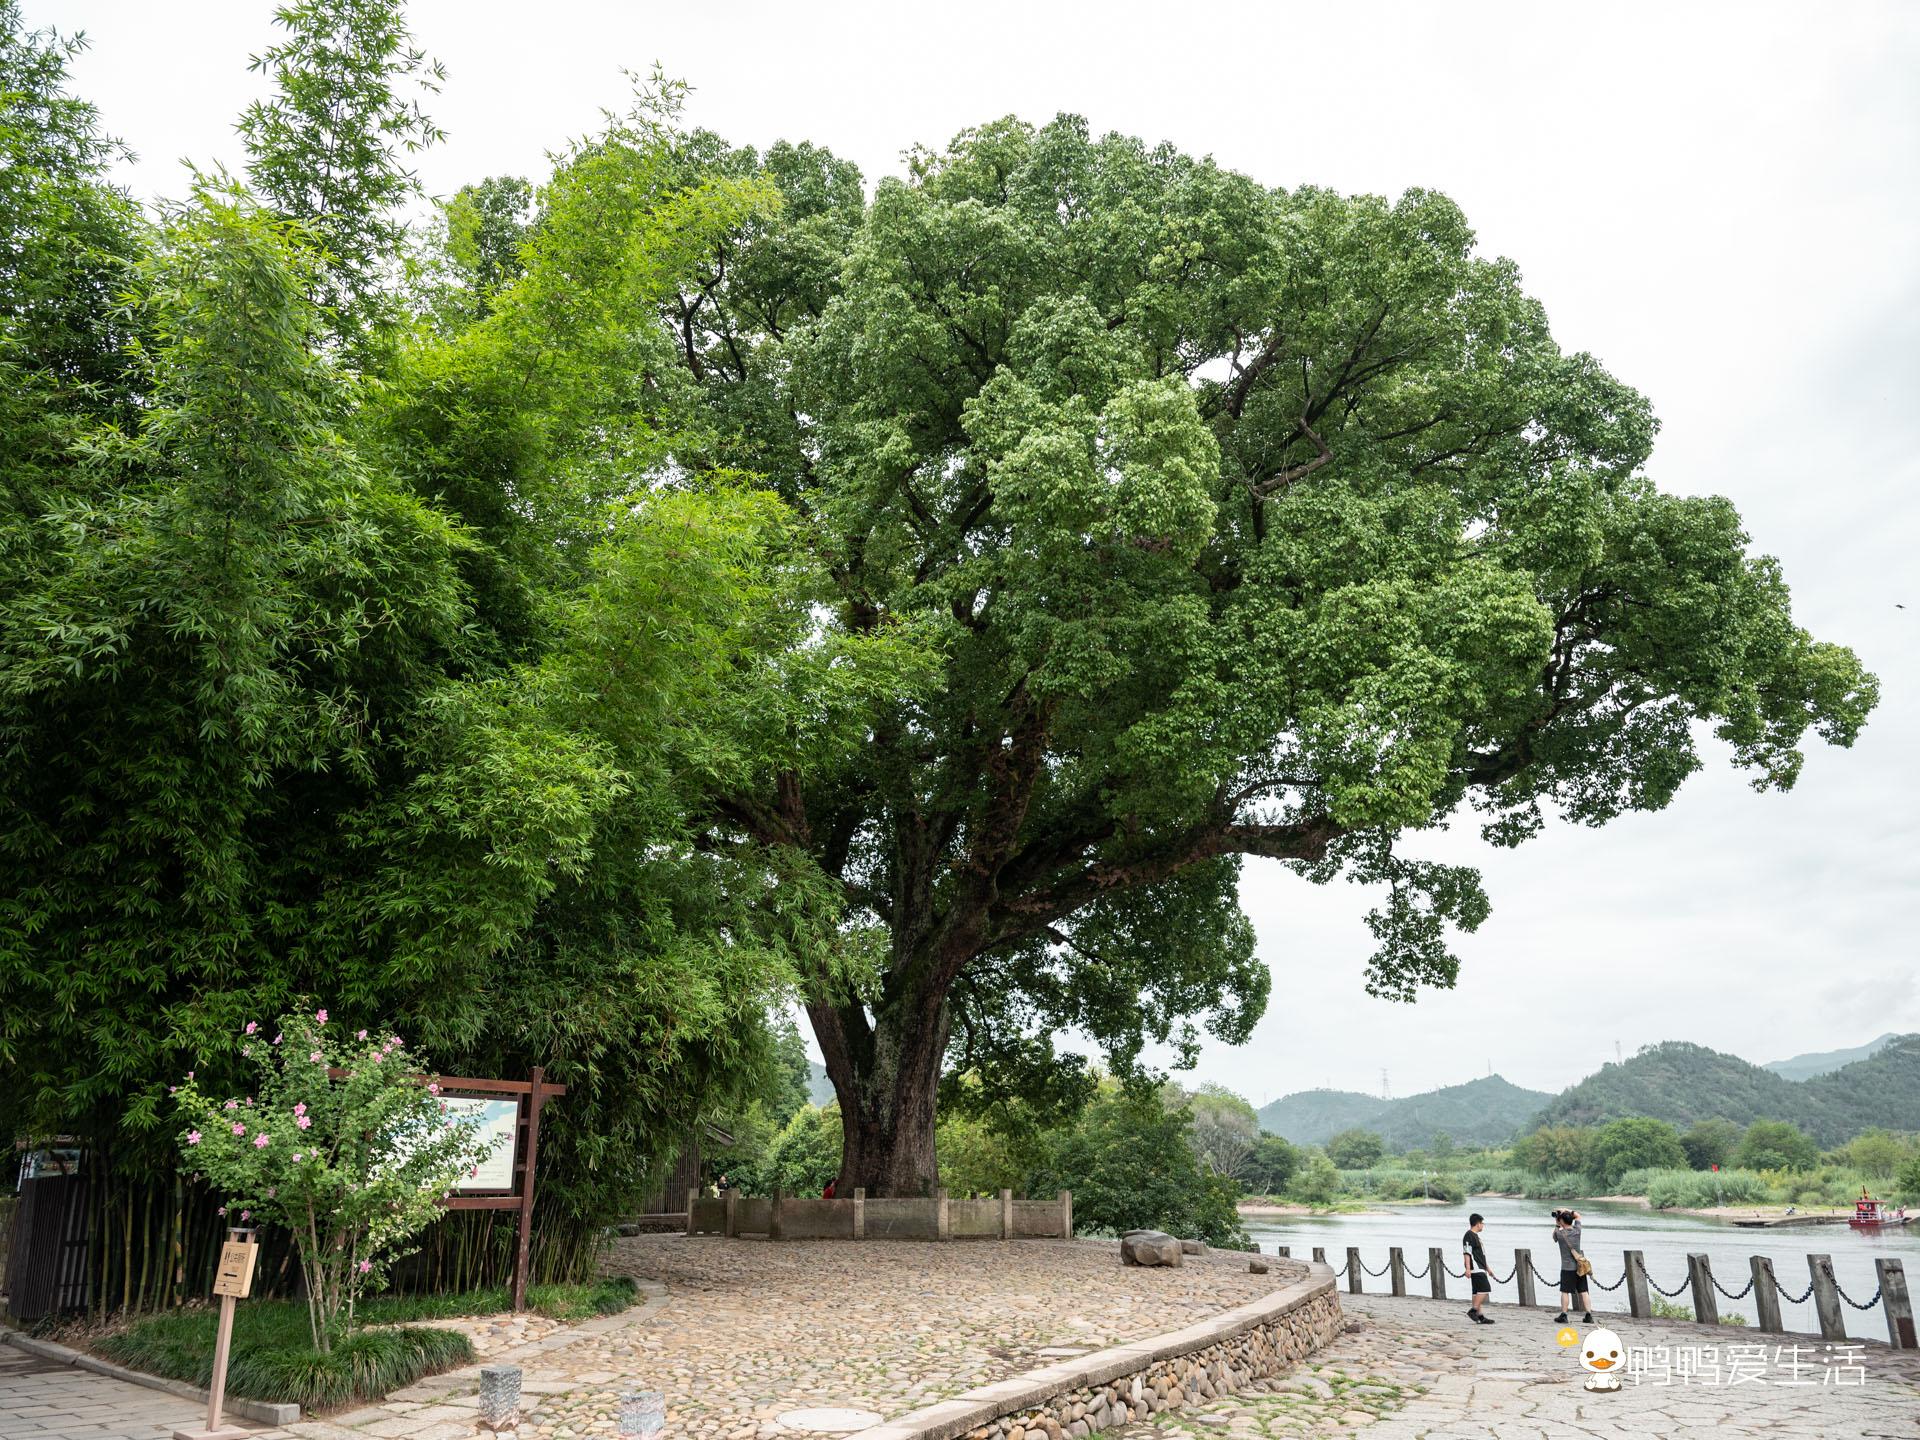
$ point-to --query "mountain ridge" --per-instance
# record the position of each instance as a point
(1484, 1111)
(1675, 1081)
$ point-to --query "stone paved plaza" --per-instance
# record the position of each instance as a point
(1419, 1370)
(738, 1333)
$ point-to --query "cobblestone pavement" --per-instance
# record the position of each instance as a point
(738, 1333)
(45, 1400)
(1419, 1370)
(752, 1330)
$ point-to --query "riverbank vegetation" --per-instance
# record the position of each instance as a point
(1769, 1163)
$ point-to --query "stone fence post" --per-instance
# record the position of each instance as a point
(1766, 1298)
(859, 1212)
(776, 1223)
(1898, 1304)
(728, 1222)
(1523, 1276)
(1826, 1298)
(1639, 1302)
(1006, 1214)
(1706, 1309)
(1437, 1273)
(942, 1214)
(1066, 1214)
(1397, 1269)
(1319, 1254)
(1353, 1270)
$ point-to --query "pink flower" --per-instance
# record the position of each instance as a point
(259, 1142)
(365, 1266)
(473, 1172)
(252, 1025)
(278, 1038)
(193, 1137)
(305, 1122)
(433, 1089)
(300, 1108)
(246, 1214)
(233, 1104)
(315, 1057)
(361, 1036)
(189, 1074)
(249, 1102)
(238, 1128)
(321, 1016)
(296, 1157)
(221, 1211)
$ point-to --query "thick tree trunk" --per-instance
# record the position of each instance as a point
(886, 1073)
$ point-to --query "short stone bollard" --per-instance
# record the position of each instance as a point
(500, 1396)
(642, 1412)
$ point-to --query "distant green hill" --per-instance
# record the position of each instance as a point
(1805, 1067)
(1310, 1116)
(1682, 1083)
(1481, 1112)
(1487, 1111)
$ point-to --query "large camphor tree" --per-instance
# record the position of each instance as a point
(1230, 521)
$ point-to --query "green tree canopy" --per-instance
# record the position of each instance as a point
(1710, 1142)
(1271, 1165)
(1130, 1163)
(1634, 1144)
(400, 695)
(1355, 1149)
(1556, 1150)
(1776, 1145)
(1235, 521)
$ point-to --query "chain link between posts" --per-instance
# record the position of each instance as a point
(1789, 1297)
(1551, 1282)
(1867, 1304)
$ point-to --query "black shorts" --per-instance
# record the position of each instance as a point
(1481, 1285)
(1572, 1282)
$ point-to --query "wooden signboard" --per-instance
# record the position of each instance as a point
(235, 1275)
(231, 1282)
(507, 1181)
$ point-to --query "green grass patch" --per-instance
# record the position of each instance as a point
(274, 1359)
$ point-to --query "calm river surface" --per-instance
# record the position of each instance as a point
(1665, 1240)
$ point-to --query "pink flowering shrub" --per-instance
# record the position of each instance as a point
(354, 1165)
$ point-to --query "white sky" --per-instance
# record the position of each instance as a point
(1720, 201)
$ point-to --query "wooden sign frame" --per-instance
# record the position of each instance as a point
(533, 1094)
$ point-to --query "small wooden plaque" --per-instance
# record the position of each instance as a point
(235, 1276)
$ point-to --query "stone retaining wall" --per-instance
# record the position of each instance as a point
(934, 1217)
(1073, 1399)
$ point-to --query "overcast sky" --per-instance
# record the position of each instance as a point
(1718, 201)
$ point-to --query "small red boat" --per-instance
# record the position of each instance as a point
(1869, 1213)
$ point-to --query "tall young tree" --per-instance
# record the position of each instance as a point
(1242, 522)
(328, 148)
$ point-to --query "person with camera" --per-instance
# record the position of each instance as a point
(1574, 1267)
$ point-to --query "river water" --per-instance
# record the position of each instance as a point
(1665, 1240)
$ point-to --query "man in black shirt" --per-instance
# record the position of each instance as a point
(1476, 1266)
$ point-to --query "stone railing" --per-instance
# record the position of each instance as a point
(934, 1217)
(1130, 1382)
